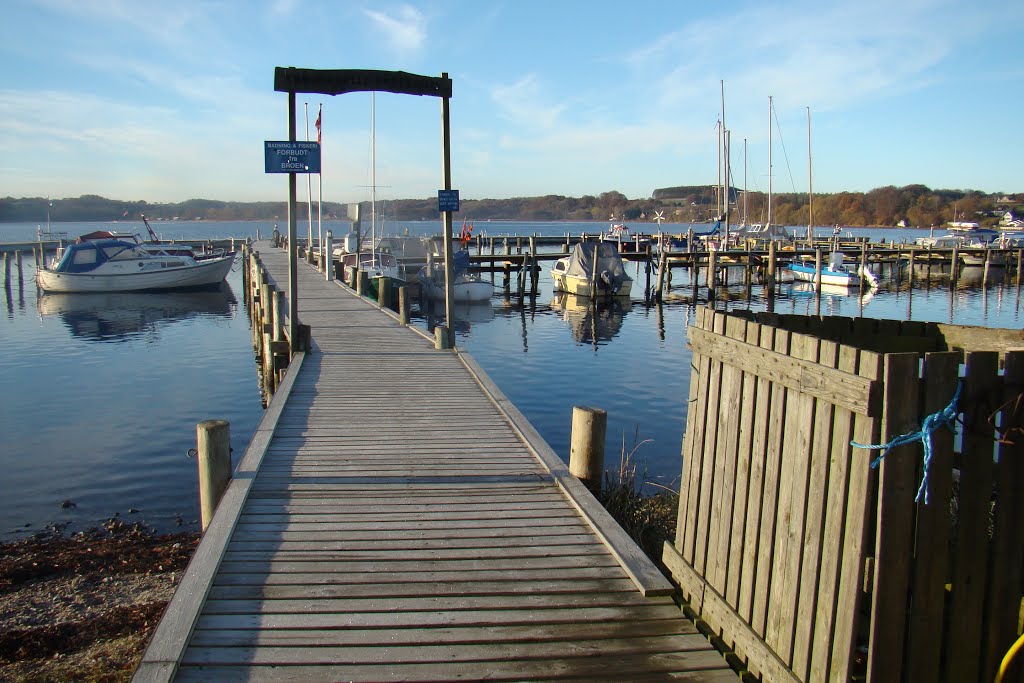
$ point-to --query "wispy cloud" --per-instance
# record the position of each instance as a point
(405, 28)
(523, 103)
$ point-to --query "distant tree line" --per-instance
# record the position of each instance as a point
(883, 206)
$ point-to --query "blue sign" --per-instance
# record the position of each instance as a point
(292, 157)
(447, 200)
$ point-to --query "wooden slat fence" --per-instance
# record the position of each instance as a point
(810, 564)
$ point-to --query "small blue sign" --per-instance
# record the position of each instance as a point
(447, 200)
(291, 157)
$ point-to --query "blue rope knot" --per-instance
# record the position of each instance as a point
(945, 417)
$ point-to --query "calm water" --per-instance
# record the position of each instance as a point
(101, 394)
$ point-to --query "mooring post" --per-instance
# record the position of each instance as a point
(213, 443)
(817, 269)
(771, 268)
(586, 445)
(360, 277)
(384, 292)
(953, 266)
(276, 317)
(441, 339)
(325, 257)
(21, 267)
(403, 305)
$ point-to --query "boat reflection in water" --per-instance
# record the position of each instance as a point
(117, 316)
(465, 314)
(591, 321)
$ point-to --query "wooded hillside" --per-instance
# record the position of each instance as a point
(883, 207)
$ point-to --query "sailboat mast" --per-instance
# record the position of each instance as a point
(810, 183)
(373, 178)
(768, 223)
(744, 181)
(718, 187)
(725, 176)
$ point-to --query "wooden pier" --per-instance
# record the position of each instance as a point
(396, 518)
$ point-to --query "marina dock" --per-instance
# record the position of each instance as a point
(396, 518)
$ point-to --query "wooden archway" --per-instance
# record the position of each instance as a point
(337, 82)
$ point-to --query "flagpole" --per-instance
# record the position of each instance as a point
(325, 261)
(309, 185)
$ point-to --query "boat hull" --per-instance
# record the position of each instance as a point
(582, 287)
(202, 274)
(464, 290)
(828, 276)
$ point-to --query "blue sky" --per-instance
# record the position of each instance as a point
(169, 101)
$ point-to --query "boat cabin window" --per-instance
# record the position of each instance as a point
(83, 257)
(120, 252)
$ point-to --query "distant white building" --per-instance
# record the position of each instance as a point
(1009, 222)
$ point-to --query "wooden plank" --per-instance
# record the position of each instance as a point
(970, 566)
(894, 537)
(931, 551)
(558, 616)
(696, 422)
(815, 496)
(751, 554)
(621, 667)
(866, 430)
(747, 409)
(1007, 559)
(708, 483)
(836, 502)
(789, 527)
(770, 500)
(838, 388)
(730, 408)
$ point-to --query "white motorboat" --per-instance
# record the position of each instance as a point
(466, 287)
(834, 273)
(119, 266)
(593, 269)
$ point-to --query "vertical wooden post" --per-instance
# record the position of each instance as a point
(586, 445)
(213, 442)
(360, 276)
(817, 269)
(910, 268)
(275, 315)
(771, 268)
(662, 268)
(403, 305)
(712, 257)
(7, 269)
(441, 339)
(954, 266)
(21, 268)
(325, 257)
(384, 292)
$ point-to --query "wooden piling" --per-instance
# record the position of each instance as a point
(586, 447)
(384, 292)
(441, 339)
(21, 270)
(817, 269)
(360, 276)
(277, 320)
(213, 442)
(404, 308)
(771, 268)
(326, 256)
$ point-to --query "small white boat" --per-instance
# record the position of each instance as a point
(466, 288)
(834, 273)
(593, 269)
(375, 262)
(119, 266)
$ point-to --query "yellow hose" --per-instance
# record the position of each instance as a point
(1010, 654)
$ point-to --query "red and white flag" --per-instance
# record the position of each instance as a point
(317, 124)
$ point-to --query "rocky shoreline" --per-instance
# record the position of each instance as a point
(82, 606)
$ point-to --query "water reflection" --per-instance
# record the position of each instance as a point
(464, 314)
(118, 316)
(591, 322)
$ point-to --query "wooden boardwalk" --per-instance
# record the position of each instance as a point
(396, 518)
